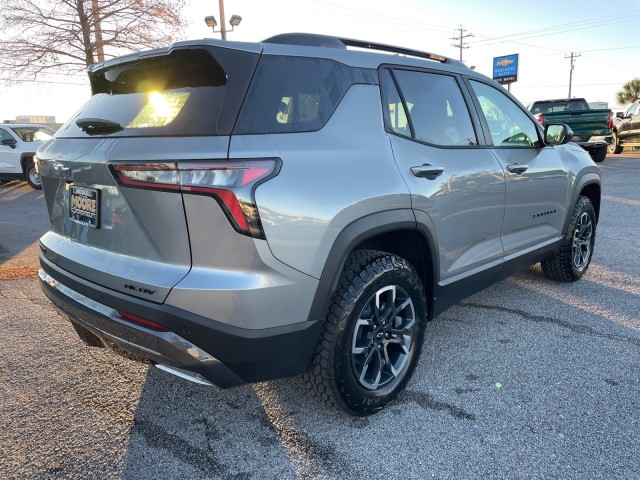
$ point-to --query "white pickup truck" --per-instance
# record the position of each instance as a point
(18, 145)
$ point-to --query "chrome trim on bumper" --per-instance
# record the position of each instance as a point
(166, 349)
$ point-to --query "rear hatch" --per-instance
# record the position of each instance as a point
(109, 176)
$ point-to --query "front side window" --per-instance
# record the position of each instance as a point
(4, 135)
(436, 109)
(508, 124)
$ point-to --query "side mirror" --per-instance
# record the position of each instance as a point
(619, 114)
(557, 134)
(9, 142)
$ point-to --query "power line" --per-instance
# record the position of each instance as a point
(359, 14)
(588, 51)
(7, 79)
(566, 27)
(525, 85)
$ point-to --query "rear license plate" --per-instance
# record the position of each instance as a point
(84, 206)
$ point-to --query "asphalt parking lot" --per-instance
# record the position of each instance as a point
(527, 379)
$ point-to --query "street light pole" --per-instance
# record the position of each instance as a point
(223, 28)
(211, 21)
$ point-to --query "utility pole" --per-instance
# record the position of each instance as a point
(460, 40)
(572, 57)
(223, 27)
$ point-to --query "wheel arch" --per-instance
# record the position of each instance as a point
(394, 231)
(24, 158)
(589, 187)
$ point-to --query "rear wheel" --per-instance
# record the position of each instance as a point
(599, 154)
(615, 146)
(32, 176)
(574, 257)
(373, 334)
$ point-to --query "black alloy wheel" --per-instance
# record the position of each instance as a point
(574, 257)
(373, 334)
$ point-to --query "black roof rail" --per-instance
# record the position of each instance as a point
(314, 40)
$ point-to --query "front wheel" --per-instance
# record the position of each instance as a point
(32, 176)
(373, 334)
(574, 257)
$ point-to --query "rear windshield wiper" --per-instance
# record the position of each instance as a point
(94, 126)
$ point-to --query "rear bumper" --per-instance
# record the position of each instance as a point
(194, 347)
(595, 142)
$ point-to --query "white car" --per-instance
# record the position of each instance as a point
(18, 144)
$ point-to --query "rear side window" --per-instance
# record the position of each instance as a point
(186, 92)
(395, 113)
(436, 109)
(296, 94)
(552, 107)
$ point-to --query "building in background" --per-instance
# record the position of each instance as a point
(47, 120)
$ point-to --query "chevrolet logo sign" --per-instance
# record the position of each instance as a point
(504, 62)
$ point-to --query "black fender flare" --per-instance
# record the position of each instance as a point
(591, 178)
(352, 235)
(23, 159)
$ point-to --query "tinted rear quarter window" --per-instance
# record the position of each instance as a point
(296, 94)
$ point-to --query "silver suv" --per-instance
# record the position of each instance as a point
(239, 212)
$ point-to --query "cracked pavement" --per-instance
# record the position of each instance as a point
(527, 379)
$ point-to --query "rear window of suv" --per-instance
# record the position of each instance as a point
(296, 94)
(181, 93)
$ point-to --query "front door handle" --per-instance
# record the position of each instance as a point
(517, 168)
(427, 171)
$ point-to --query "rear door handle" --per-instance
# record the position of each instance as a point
(427, 171)
(517, 168)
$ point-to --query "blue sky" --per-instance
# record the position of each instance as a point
(542, 32)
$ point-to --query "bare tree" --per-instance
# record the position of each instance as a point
(40, 36)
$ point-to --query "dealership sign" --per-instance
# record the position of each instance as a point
(505, 69)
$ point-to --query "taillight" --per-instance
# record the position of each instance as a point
(155, 176)
(540, 118)
(610, 119)
(231, 183)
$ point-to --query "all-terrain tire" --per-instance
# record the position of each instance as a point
(574, 257)
(372, 336)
